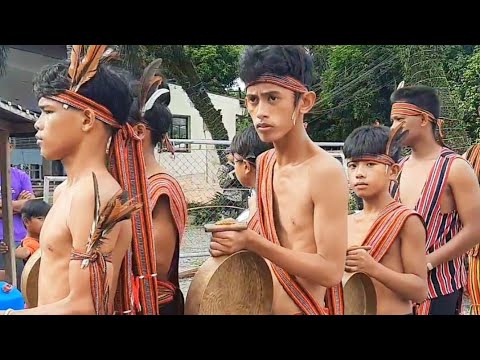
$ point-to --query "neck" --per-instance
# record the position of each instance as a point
(151, 163)
(426, 148)
(33, 235)
(253, 181)
(87, 159)
(375, 204)
(295, 147)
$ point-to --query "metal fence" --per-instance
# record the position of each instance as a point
(209, 181)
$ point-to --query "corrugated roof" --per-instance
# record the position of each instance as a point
(20, 119)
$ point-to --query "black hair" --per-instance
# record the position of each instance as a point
(158, 118)
(108, 87)
(34, 208)
(248, 145)
(280, 60)
(371, 140)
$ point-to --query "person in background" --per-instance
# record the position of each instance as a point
(21, 192)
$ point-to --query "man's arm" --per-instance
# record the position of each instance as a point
(466, 193)
(165, 236)
(330, 202)
(22, 252)
(79, 301)
(27, 248)
(412, 283)
(25, 185)
(17, 206)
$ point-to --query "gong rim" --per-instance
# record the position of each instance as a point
(29, 279)
(359, 295)
(215, 291)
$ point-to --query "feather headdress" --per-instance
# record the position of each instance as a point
(84, 63)
(150, 89)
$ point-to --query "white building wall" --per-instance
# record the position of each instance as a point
(197, 170)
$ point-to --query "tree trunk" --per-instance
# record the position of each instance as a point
(180, 66)
(3, 59)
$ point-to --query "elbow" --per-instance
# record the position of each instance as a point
(421, 293)
(334, 277)
(83, 306)
(475, 231)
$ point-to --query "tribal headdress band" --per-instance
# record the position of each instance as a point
(387, 158)
(286, 82)
(381, 159)
(80, 102)
(407, 109)
(84, 63)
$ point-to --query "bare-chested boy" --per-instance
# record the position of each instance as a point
(302, 190)
(78, 115)
(443, 188)
(386, 240)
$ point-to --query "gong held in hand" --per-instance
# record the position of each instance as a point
(29, 284)
(359, 295)
(237, 284)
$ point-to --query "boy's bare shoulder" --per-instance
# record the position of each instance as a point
(413, 226)
(107, 187)
(323, 164)
(58, 190)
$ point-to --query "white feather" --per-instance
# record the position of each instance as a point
(153, 98)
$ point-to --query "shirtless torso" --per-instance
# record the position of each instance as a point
(298, 220)
(67, 226)
(388, 302)
(413, 177)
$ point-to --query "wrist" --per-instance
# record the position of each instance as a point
(374, 270)
(431, 263)
(250, 240)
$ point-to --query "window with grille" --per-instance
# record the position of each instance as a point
(34, 171)
(180, 129)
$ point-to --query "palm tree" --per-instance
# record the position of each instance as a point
(3, 58)
(179, 65)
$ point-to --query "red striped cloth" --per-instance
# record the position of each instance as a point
(441, 228)
(163, 184)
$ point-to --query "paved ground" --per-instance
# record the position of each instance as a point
(195, 241)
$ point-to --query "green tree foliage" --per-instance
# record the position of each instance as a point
(354, 83)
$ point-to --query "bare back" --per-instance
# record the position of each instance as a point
(294, 210)
(56, 237)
